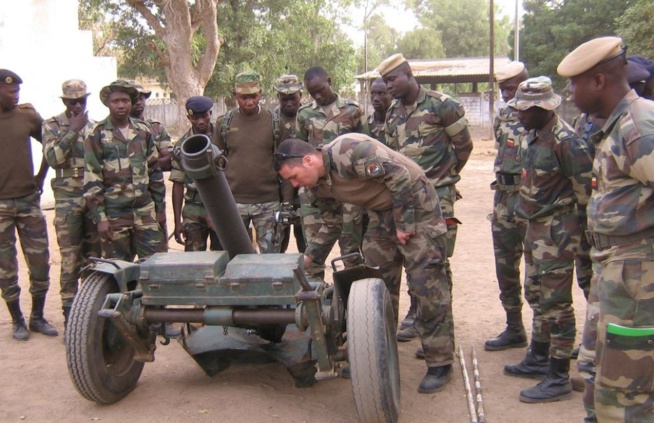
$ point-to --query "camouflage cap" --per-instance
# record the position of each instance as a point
(509, 71)
(74, 88)
(247, 82)
(391, 63)
(287, 84)
(535, 92)
(118, 86)
(8, 77)
(140, 89)
(590, 54)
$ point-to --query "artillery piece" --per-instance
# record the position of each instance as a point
(235, 306)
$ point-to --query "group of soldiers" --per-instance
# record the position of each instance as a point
(383, 185)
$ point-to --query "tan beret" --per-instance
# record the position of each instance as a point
(390, 64)
(508, 71)
(535, 92)
(590, 54)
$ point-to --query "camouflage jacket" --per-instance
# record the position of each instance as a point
(160, 136)
(64, 149)
(121, 173)
(177, 174)
(508, 130)
(556, 171)
(429, 132)
(361, 171)
(288, 126)
(376, 129)
(585, 126)
(320, 125)
(622, 202)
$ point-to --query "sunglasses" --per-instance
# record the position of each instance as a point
(74, 101)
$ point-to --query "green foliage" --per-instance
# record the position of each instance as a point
(637, 29)
(381, 42)
(421, 43)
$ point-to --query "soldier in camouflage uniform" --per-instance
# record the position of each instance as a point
(247, 137)
(195, 228)
(123, 185)
(63, 148)
(289, 95)
(20, 210)
(620, 229)
(405, 227)
(554, 190)
(320, 122)
(430, 128)
(381, 101)
(509, 231)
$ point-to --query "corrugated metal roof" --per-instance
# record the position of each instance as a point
(465, 66)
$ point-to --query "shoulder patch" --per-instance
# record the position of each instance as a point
(373, 167)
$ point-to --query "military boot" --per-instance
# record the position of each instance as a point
(408, 330)
(555, 387)
(536, 362)
(18, 326)
(513, 337)
(37, 321)
(435, 379)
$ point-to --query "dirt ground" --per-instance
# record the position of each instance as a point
(35, 385)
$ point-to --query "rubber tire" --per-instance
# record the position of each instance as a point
(101, 375)
(372, 352)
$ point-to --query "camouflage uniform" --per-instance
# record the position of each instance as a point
(194, 214)
(162, 141)
(77, 235)
(554, 191)
(376, 129)
(320, 125)
(621, 225)
(19, 205)
(124, 185)
(397, 195)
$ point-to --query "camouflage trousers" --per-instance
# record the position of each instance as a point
(584, 265)
(553, 242)
(136, 233)
(447, 196)
(624, 386)
(508, 245)
(586, 360)
(424, 257)
(196, 229)
(24, 215)
(78, 240)
(262, 217)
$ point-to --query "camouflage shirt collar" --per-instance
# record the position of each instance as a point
(108, 123)
(619, 110)
(327, 164)
(62, 119)
(544, 132)
(338, 103)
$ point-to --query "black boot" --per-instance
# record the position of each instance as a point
(435, 379)
(37, 322)
(513, 337)
(19, 328)
(555, 387)
(410, 318)
(536, 362)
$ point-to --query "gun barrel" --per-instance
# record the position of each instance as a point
(200, 160)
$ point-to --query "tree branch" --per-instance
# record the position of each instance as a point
(152, 20)
(207, 61)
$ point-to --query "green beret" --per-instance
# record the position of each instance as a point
(8, 77)
(121, 86)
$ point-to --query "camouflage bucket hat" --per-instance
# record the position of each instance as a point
(73, 89)
(247, 82)
(535, 92)
(287, 84)
(118, 86)
(140, 89)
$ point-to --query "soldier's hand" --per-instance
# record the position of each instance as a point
(165, 160)
(78, 122)
(179, 234)
(105, 231)
(403, 237)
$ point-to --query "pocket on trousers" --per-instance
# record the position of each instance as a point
(59, 220)
(627, 361)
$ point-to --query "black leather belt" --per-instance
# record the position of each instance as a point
(602, 242)
(193, 196)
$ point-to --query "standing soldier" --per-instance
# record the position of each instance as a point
(554, 190)
(20, 210)
(620, 228)
(320, 122)
(63, 148)
(430, 128)
(160, 136)
(381, 100)
(248, 136)
(193, 231)
(508, 232)
(289, 95)
(123, 185)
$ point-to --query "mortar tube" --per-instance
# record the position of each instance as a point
(199, 160)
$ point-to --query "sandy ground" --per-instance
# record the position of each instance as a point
(35, 385)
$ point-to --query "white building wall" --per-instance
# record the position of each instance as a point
(41, 42)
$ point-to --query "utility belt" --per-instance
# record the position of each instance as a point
(72, 172)
(602, 242)
(506, 182)
(193, 197)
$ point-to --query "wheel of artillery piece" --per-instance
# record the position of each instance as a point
(100, 360)
(372, 352)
